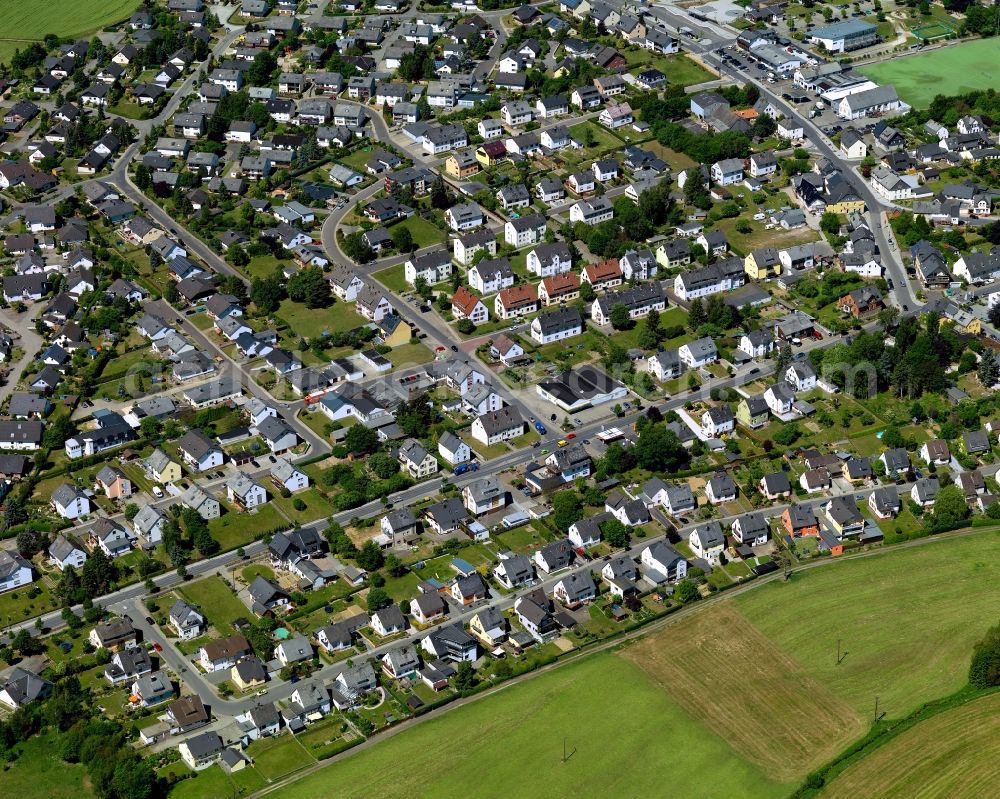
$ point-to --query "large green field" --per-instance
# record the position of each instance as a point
(949, 70)
(25, 22)
(741, 698)
(954, 754)
(907, 620)
(629, 739)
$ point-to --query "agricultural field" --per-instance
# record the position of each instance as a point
(949, 70)
(749, 690)
(902, 619)
(779, 718)
(65, 18)
(954, 754)
(612, 717)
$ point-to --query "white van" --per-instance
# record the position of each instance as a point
(157, 492)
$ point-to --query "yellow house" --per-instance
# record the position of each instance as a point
(762, 264)
(394, 331)
(462, 165)
(489, 626)
(161, 468)
(963, 321)
(491, 153)
(847, 205)
(248, 674)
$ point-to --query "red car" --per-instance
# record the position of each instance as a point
(570, 436)
(157, 647)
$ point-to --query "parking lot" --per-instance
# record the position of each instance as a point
(806, 101)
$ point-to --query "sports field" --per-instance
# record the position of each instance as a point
(954, 754)
(722, 670)
(25, 22)
(626, 735)
(949, 70)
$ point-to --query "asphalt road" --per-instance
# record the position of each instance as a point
(207, 342)
(902, 292)
(457, 615)
(129, 599)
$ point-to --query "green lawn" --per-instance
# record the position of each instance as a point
(234, 529)
(316, 422)
(679, 69)
(523, 539)
(604, 139)
(276, 757)
(949, 70)
(424, 232)
(250, 573)
(263, 266)
(17, 605)
(393, 279)
(903, 618)
(213, 781)
(317, 506)
(39, 771)
(625, 732)
(906, 523)
(676, 160)
(202, 321)
(129, 109)
(409, 355)
(313, 322)
(214, 599)
(357, 159)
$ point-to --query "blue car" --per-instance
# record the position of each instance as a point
(462, 469)
(540, 428)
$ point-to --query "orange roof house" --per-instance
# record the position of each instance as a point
(799, 520)
(603, 274)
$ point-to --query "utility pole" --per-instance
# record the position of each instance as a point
(838, 651)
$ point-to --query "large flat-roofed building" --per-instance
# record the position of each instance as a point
(842, 37)
(581, 388)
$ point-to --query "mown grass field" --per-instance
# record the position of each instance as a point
(275, 757)
(27, 22)
(954, 754)
(216, 602)
(629, 739)
(314, 322)
(907, 621)
(722, 670)
(949, 70)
